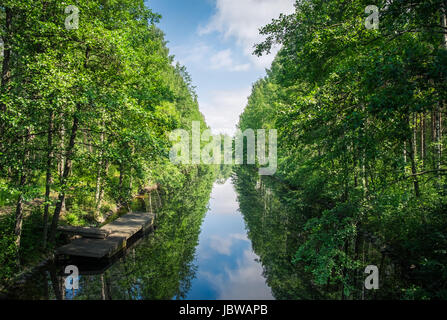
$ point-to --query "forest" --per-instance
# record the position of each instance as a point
(361, 177)
(85, 119)
(87, 105)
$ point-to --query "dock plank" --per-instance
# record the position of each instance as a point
(93, 233)
(119, 232)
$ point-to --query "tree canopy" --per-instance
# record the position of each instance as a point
(85, 114)
(360, 115)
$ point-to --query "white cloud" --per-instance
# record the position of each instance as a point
(246, 282)
(191, 54)
(224, 60)
(224, 199)
(242, 19)
(205, 57)
(223, 108)
(223, 245)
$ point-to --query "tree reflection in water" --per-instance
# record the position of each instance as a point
(157, 267)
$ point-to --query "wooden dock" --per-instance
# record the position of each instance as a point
(118, 232)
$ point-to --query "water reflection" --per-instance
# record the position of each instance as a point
(158, 267)
(274, 231)
(173, 262)
(227, 265)
(276, 227)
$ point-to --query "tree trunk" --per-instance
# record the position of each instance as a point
(423, 139)
(49, 179)
(438, 137)
(19, 214)
(100, 191)
(444, 23)
(405, 153)
(414, 168)
(365, 183)
(67, 170)
(19, 206)
(150, 202)
(441, 103)
(6, 64)
(61, 163)
(99, 187)
(415, 137)
(103, 288)
(55, 283)
(121, 185)
(108, 287)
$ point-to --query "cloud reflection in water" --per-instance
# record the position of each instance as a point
(227, 266)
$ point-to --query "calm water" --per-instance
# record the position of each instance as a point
(204, 248)
(227, 266)
(200, 250)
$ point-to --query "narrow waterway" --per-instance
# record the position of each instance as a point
(197, 251)
(227, 266)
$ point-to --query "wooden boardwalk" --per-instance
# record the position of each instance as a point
(118, 232)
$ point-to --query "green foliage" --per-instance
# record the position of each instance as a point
(85, 113)
(360, 117)
(8, 248)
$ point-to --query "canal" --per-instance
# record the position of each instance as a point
(228, 268)
(199, 250)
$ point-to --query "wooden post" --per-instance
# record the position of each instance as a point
(103, 288)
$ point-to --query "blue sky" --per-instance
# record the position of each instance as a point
(214, 39)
